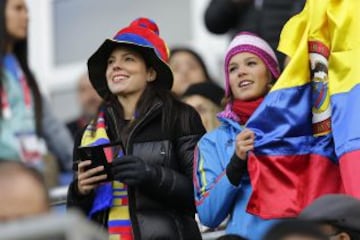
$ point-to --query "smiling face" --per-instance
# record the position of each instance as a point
(127, 73)
(16, 18)
(249, 78)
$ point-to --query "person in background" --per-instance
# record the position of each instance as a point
(221, 180)
(188, 68)
(89, 102)
(294, 230)
(338, 216)
(26, 118)
(150, 194)
(206, 99)
(266, 18)
(22, 191)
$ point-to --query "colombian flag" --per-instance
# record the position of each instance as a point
(307, 129)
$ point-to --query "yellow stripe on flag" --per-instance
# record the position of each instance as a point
(308, 25)
(334, 23)
(344, 25)
(119, 213)
(118, 185)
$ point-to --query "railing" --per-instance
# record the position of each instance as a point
(58, 198)
(70, 226)
(58, 195)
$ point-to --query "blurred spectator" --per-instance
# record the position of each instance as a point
(206, 99)
(263, 17)
(26, 117)
(89, 102)
(188, 68)
(295, 230)
(22, 191)
(337, 214)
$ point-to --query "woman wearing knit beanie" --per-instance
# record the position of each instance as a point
(222, 184)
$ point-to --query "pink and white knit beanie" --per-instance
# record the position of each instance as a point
(249, 42)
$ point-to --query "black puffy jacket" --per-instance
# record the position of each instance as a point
(234, 16)
(166, 210)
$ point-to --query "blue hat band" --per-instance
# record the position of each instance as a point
(136, 39)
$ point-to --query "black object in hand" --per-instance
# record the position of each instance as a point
(98, 158)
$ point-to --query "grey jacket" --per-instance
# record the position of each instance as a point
(57, 137)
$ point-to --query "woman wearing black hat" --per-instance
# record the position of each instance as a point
(151, 196)
(206, 98)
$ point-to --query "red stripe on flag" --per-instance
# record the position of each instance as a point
(120, 229)
(284, 185)
(126, 237)
(349, 167)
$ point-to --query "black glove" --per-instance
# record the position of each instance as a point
(236, 169)
(132, 170)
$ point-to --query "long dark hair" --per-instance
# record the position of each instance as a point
(20, 52)
(198, 58)
(151, 95)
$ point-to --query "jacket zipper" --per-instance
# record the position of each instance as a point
(131, 193)
(112, 114)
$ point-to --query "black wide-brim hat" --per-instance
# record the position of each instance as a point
(143, 36)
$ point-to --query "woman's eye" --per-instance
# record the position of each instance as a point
(129, 59)
(110, 61)
(232, 69)
(252, 63)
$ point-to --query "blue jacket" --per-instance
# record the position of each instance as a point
(216, 198)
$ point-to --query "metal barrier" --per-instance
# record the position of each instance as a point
(70, 226)
(58, 195)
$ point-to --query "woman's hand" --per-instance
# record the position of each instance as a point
(132, 170)
(89, 179)
(244, 143)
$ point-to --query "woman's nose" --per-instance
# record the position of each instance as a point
(116, 65)
(241, 71)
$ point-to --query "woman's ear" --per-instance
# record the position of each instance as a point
(343, 236)
(151, 75)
